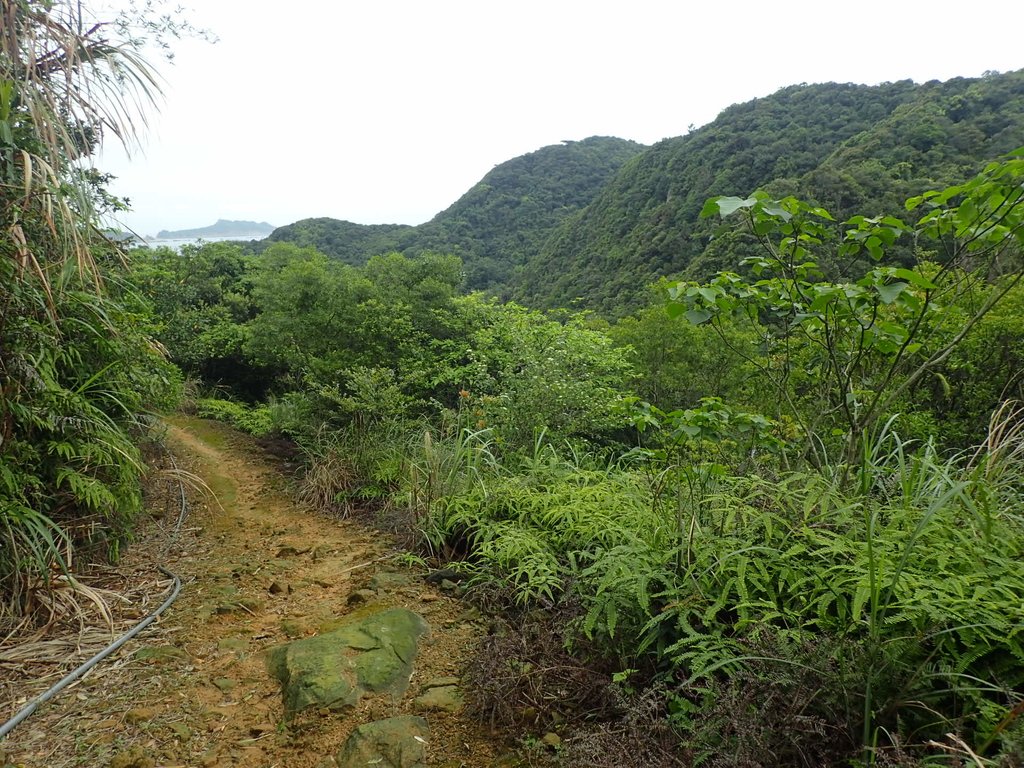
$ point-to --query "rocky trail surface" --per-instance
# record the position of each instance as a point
(298, 640)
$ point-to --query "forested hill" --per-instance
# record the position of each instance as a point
(505, 219)
(497, 225)
(847, 147)
(352, 243)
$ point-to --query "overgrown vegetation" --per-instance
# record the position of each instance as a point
(772, 519)
(778, 511)
(76, 365)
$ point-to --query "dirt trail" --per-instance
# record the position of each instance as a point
(259, 570)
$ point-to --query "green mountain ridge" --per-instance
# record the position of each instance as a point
(352, 243)
(645, 224)
(593, 223)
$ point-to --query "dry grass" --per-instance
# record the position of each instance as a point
(522, 678)
(79, 615)
(1003, 446)
(328, 484)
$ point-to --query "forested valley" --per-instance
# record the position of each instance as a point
(739, 469)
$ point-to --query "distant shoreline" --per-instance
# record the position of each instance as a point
(177, 242)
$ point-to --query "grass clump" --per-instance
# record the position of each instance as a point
(256, 421)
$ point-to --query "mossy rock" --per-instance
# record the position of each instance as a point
(397, 742)
(444, 698)
(388, 580)
(315, 672)
(333, 670)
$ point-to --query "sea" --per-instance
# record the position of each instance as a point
(176, 243)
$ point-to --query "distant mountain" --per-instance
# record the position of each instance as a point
(498, 225)
(851, 148)
(223, 228)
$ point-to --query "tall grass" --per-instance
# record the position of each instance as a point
(439, 468)
(353, 467)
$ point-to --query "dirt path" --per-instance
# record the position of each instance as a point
(259, 571)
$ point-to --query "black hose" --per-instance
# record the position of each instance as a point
(77, 673)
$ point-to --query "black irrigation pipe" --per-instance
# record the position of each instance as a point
(77, 673)
(181, 491)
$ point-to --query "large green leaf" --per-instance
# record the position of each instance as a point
(729, 205)
(889, 293)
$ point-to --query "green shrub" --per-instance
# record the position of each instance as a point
(256, 421)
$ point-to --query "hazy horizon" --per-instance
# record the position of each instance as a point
(388, 112)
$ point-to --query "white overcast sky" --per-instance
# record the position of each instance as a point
(387, 111)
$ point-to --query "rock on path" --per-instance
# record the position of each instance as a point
(335, 669)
